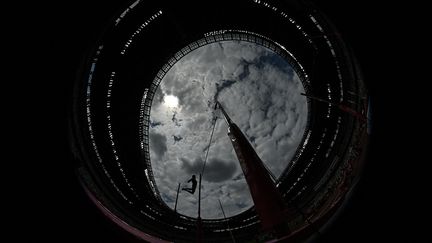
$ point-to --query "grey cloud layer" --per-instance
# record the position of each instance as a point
(260, 92)
(158, 144)
(216, 170)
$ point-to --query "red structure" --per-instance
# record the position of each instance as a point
(359, 115)
(268, 202)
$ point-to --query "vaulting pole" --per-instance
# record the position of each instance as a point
(199, 223)
(199, 197)
(223, 212)
(178, 190)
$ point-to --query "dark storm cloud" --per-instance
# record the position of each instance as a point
(218, 170)
(192, 167)
(158, 144)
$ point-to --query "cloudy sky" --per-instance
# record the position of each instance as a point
(261, 93)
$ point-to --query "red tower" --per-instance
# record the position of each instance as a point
(266, 197)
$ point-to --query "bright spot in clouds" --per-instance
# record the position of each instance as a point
(171, 101)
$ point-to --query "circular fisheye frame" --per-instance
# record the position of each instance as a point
(243, 121)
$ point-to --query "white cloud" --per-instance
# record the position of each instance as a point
(260, 92)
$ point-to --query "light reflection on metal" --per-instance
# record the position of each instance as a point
(142, 26)
(338, 70)
(298, 27)
(334, 137)
(90, 125)
(111, 137)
